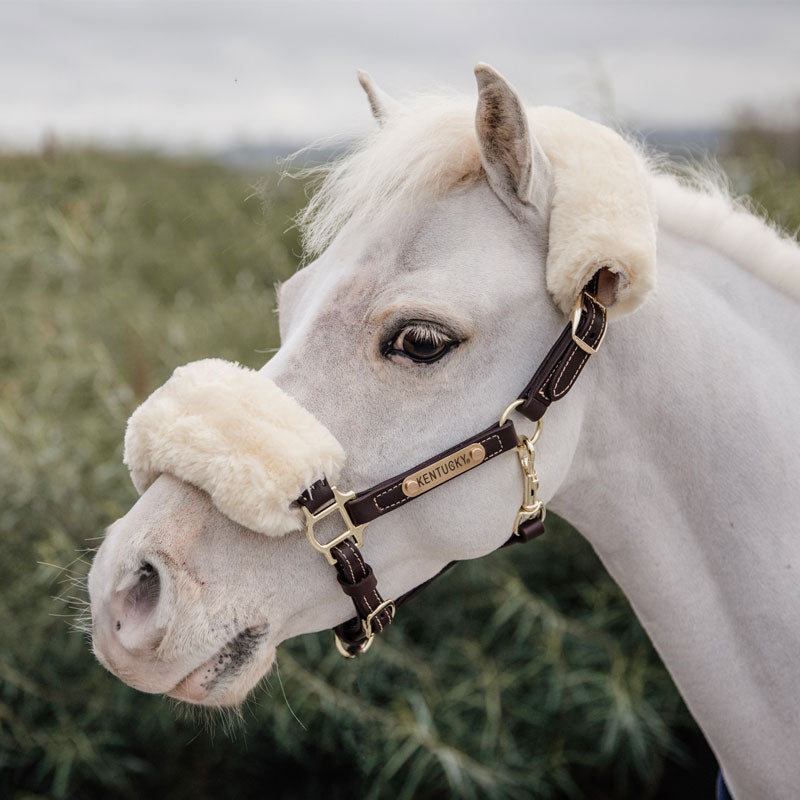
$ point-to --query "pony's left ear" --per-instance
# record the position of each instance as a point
(515, 166)
(380, 103)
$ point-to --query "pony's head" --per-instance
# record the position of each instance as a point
(449, 247)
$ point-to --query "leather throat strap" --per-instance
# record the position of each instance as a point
(552, 380)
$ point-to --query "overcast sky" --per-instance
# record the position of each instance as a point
(181, 73)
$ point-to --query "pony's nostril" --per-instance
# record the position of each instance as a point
(134, 608)
(142, 597)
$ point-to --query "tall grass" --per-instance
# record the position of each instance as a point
(522, 675)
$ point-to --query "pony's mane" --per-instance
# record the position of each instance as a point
(697, 203)
(430, 147)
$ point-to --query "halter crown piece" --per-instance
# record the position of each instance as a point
(256, 451)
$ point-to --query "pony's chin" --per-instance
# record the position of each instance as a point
(226, 690)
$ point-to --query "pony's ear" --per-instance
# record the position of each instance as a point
(382, 105)
(603, 217)
(590, 184)
(515, 166)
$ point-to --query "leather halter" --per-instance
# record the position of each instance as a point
(552, 380)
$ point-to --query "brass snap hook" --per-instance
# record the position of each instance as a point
(532, 507)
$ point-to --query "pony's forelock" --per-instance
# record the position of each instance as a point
(418, 153)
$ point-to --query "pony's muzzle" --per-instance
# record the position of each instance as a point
(160, 620)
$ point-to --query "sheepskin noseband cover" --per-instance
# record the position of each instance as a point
(235, 434)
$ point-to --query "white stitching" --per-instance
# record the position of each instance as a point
(349, 569)
(360, 560)
(556, 393)
(546, 381)
(367, 602)
(591, 322)
(377, 618)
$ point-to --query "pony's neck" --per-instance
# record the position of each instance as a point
(683, 481)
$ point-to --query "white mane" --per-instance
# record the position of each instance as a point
(429, 147)
(417, 154)
(705, 212)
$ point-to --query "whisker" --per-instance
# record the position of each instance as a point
(283, 691)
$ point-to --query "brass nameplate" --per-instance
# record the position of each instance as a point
(442, 470)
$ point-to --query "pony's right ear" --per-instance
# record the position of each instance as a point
(382, 105)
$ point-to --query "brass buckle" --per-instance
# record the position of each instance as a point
(532, 507)
(354, 532)
(575, 318)
(366, 625)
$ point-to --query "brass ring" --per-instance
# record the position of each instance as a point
(539, 422)
(537, 433)
(346, 653)
(509, 408)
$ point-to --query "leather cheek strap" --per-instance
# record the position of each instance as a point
(565, 360)
(389, 494)
(552, 380)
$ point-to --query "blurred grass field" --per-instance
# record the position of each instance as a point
(114, 269)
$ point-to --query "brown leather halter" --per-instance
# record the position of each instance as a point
(552, 380)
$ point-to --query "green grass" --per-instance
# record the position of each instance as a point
(531, 679)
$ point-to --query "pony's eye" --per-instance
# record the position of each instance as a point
(421, 343)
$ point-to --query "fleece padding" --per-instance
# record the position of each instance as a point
(603, 212)
(233, 433)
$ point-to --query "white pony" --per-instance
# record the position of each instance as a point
(451, 246)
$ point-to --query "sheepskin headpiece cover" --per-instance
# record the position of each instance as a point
(233, 433)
